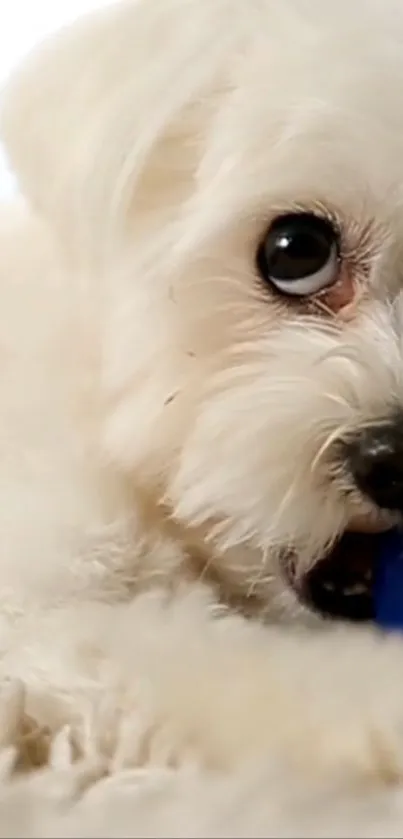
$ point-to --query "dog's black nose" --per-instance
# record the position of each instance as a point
(375, 458)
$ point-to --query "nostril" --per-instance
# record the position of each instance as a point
(382, 483)
(375, 461)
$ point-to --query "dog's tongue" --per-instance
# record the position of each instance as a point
(388, 581)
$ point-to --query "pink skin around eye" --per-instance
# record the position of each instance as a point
(341, 295)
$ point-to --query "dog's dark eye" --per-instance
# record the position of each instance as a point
(299, 254)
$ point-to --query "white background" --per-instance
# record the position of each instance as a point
(22, 24)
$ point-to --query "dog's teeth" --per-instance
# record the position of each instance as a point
(328, 586)
(353, 590)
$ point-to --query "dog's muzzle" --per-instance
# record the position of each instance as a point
(340, 585)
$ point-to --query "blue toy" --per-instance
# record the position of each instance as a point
(388, 582)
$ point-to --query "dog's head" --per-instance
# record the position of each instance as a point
(229, 176)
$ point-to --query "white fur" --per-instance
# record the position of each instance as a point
(167, 426)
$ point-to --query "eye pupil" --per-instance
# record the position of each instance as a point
(298, 254)
(298, 247)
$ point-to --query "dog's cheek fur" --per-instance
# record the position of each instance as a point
(263, 438)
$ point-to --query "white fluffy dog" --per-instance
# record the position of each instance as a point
(201, 421)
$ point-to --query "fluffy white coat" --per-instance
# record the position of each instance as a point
(165, 423)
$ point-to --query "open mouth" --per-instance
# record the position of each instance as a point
(340, 586)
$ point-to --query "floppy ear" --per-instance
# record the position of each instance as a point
(106, 126)
(103, 119)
